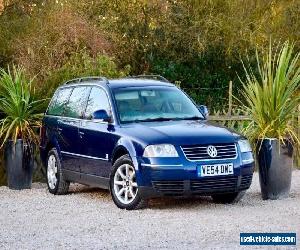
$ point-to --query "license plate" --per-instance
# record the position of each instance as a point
(215, 170)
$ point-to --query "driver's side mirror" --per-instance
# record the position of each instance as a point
(204, 111)
(102, 115)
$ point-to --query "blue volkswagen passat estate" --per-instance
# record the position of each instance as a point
(140, 137)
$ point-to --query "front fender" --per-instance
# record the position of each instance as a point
(134, 149)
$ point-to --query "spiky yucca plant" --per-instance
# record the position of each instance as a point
(270, 97)
(20, 110)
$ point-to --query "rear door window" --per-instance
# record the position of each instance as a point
(97, 100)
(59, 101)
(77, 102)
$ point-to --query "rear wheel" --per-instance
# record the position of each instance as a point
(228, 198)
(55, 179)
(123, 185)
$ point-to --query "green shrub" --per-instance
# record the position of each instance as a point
(80, 65)
(206, 85)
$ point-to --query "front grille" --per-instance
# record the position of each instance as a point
(170, 188)
(199, 152)
(211, 185)
(246, 181)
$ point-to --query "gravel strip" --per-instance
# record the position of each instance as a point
(88, 219)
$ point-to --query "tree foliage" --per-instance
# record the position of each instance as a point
(200, 42)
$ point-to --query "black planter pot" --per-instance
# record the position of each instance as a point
(18, 159)
(275, 168)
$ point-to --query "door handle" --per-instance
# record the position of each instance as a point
(81, 134)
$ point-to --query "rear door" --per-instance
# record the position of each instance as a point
(53, 113)
(96, 137)
(68, 126)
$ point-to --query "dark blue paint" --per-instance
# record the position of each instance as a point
(97, 143)
(96, 140)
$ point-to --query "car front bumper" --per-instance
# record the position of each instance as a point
(182, 180)
(187, 188)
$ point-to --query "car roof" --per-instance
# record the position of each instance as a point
(118, 83)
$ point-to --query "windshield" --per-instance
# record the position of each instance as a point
(155, 104)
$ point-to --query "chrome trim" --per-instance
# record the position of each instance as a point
(215, 159)
(160, 165)
(85, 156)
(78, 119)
(205, 147)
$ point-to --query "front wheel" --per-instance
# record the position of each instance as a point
(123, 186)
(228, 198)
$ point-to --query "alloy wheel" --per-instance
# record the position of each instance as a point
(125, 185)
(52, 172)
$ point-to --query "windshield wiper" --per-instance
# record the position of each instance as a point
(158, 119)
(194, 118)
(161, 119)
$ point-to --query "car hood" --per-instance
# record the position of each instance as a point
(179, 132)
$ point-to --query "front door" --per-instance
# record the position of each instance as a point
(96, 139)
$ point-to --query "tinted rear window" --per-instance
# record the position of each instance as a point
(59, 101)
(77, 102)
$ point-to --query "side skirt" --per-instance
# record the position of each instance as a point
(86, 179)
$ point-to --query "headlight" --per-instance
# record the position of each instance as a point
(245, 146)
(160, 150)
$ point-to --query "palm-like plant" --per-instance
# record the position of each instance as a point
(21, 111)
(271, 98)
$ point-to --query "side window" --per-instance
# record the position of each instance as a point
(59, 101)
(97, 100)
(77, 102)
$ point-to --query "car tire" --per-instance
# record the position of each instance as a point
(123, 186)
(228, 198)
(55, 179)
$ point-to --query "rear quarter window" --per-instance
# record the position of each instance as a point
(58, 102)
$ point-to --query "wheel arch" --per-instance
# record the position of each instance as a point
(45, 150)
(125, 146)
(118, 152)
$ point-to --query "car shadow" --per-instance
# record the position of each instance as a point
(155, 203)
(78, 189)
(250, 199)
(176, 202)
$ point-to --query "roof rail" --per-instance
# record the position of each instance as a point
(93, 78)
(155, 77)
